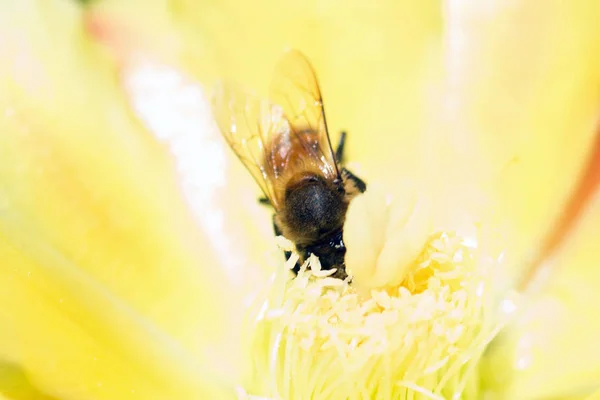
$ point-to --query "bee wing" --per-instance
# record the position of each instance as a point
(248, 124)
(295, 88)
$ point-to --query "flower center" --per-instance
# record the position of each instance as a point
(316, 337)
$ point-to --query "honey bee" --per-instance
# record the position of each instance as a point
(284, 143)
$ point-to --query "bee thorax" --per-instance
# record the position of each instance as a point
(311, 210)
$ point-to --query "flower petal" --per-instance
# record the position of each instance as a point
(71, 338)
(174, 105)
(522, 104)
(105, 275)
(552, 350)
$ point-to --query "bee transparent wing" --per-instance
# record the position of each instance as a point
(248, 124)
(296, 89)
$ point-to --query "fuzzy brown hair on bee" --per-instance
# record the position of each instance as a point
(285, 144)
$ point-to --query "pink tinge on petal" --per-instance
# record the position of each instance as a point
(108, 32)
(120, 38)
(582, 194)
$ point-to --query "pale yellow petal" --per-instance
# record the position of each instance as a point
(521, 101)
(70, 338)
(385, 233)
(2, 397)
(174, 106)
(106, 274)
(594, 396)
(553, 349)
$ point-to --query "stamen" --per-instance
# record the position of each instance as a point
(324, 340)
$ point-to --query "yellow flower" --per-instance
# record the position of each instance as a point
(131, 241)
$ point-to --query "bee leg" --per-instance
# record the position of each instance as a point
(339, 151)
(287, 254)
(264, 200)
(358, 183)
